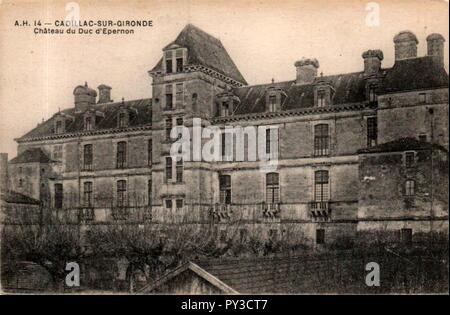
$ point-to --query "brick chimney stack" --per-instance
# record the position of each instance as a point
(306, 70)
(435, 47)
(372, 61)
(405, 45)
(104, 94)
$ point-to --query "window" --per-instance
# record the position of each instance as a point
(149, 192)
(179, 64)
(321, 140)
(272, 103)
(121, 154)
(409, 159)
(372, 131)
(20, 183)
(121, 193)
(406, 236)
(225, 109)
(372, 94)
(273, 235)
(243, 235)
(272, 188)
(169, 97)
(58, 196)
(149, 151)
(168, 168)
(272, 142)
(179, 171)
(168, 127)
(179, 94)
(423, 138)
(194, 102)
(321, 186)
(320, 236)
(168, 203)
(88, 194)
(409, 187)
(88, 123)
(168, 55)
(223, 143)
(321, 98)
(179, 203)
(58, 127)
(225, 189)
(422, 97)
(87, 157)
(122, 120)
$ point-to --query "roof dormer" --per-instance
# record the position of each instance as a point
(124, 114)
(62, 120)
(174, 59)
(323, 92)
(274, 98)
(91, 118)
(227, 103)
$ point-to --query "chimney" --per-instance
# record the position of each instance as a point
(372, 61)
(306, 70)
(84, 97)
(435, 47)
(104, 94)
(3, 172)
(405, 45)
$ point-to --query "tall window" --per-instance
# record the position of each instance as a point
(58, 127)
(225, 109)
(59, 196)
(272, 188)
(87, 157)
(271, 142)
(168, 168)
(168, 127)
(168, 55)
(321, 140)
(121, 193)
(149, 151)
(149, 192)
(320, 236)
(88, 123)
(372, 94)
(372, 131)
(409, 187)
(168, 203)
(169, 97)
(406, 236)
(179, 60)
(409, 159)
(179, 94)
(121, 154)
(223, 143)
(321, 186)
(179, 171)
(225, 189)
(272, 103)
(320, 98)
(122, 120)
(88, 194)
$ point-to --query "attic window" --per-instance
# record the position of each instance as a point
(225, 110)
(122, 119)
(59, 127)
(321, 98)
(88, 126)
(272, 103)
(168, 57)
(372, 94)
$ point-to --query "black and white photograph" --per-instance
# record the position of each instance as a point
(224, 148)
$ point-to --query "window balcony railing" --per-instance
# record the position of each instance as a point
(221, 212)
(87, 214)
(320, 210)
(270, 210)
(120, 213)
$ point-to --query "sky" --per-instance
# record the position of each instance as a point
(264, 38)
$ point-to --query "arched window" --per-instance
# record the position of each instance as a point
(121, 193)
(88, 194)
(121, 154)
(321, 186)
(321, 140)
(272, 188)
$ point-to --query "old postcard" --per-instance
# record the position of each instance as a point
(224, 147)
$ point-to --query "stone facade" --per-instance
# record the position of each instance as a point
(196, 78)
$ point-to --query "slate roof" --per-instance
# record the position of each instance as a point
(109, 121)
(402, 144)
(15, 197)
(405, 75)
(31, 156)
(206, 50)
